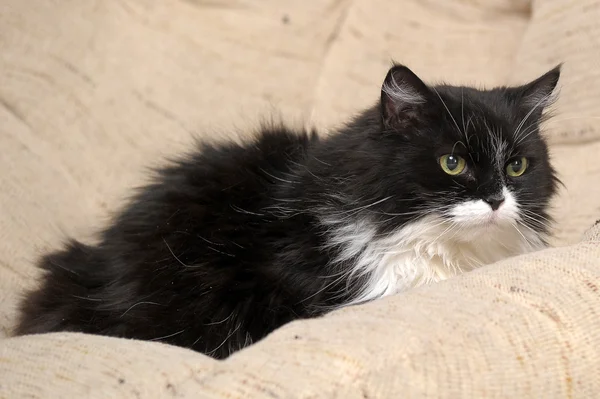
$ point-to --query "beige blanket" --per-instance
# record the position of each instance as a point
(93, 91)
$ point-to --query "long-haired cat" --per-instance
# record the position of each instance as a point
(232, 241)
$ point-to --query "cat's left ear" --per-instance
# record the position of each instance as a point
(539, 94)
(403, 96)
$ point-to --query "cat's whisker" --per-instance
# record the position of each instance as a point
(525, 202)
(470, 123)
(456, 143)
(535, 216)
(539, 221)
(525, 239)
(536, 222)
(541, 236)
(447, 109)
(528, 131)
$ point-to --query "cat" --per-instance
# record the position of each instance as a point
(232, 241)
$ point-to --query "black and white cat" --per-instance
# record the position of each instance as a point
(232, 241)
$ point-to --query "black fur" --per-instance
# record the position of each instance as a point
(227, 244)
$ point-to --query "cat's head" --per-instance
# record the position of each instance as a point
(475, 158)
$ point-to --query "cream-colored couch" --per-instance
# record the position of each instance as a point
(92, 92)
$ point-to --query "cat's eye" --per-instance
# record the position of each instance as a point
(516, 167)
(452, 164)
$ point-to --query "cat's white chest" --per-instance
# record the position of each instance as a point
(425, 251)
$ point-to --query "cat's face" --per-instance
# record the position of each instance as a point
(474, 158)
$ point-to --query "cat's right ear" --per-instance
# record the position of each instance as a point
(403, 95)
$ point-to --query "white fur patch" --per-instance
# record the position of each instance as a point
(431, 248)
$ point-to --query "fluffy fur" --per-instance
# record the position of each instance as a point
(232, 241)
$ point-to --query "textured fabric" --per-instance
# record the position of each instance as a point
(92, 92)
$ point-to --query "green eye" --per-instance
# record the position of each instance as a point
(516, 167)
(452, 164)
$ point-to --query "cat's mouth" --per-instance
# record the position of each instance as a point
(490, 220)
(493, 218)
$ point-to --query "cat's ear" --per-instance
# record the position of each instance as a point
(403, 95)
(539, 94)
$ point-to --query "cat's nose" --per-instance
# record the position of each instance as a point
(494, 202)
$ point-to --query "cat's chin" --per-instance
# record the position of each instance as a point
(489, 224)
(494, 221)
(491, 221)
(484, 228)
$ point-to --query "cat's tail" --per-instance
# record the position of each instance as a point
(63, 297)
